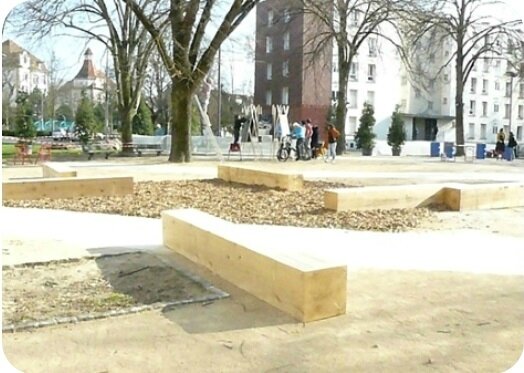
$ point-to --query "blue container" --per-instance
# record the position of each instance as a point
(481, 151)
(508, 153)
(435, 149)
(448, 149)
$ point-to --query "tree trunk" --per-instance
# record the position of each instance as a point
(340, 113)
(126, 118)
(181, 106)
(459, 104)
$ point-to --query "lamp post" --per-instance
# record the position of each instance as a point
(511, 75)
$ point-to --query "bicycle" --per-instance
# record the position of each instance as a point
(286, 148)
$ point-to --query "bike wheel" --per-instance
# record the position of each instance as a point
(282, 154)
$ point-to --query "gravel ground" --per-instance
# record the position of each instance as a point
(240, 204)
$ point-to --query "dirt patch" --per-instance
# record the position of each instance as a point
(240, 204)
(92, 285)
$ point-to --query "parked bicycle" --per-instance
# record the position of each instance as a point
(287, 150)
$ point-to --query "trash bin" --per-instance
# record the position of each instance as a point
(481, 151)
(508, 153)
(435, 149)
(448, 149)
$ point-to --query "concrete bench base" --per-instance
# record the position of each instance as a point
(55, 169)
(303, 286)
(454, 196)
(67, 187)
(250, 176)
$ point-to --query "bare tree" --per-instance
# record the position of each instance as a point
(111, 23)
(347, 24)
(474, 33)
(156, 89)
(9, 66)
(191, 56)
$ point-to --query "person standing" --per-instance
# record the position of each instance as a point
(314, 141)
(332, 136)
(500, 146)
(512, 144)
(300, 133)
(309, 133)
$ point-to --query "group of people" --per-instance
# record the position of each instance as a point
(500, 145)
(308, 144)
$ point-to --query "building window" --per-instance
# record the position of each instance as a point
(286, 41)
(494, 130)
(484, 86)
(403, 104)
(430, 105)
(371, 98)
(496, 108)
(352, 125)
(269, 44)
(486, 65)
(497, 86)
(519, 133)
(353, 71)
(508, 89)
(372, 47)
(497, 64)
(287, 16)
(269, 71)
(269, 97)
(471, 131)
(353, 97)
(445, 101)
(521, 90)
(472, 107)
(484, 109)
(372, 70)
(473, 85)
(521, 112)
(353, 18)
(285, 96)
(483, 127)
(285, 68)
(270, 16)
(507, 111)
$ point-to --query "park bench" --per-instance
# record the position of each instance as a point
(148, 149)
(304, 286)
(106, 148)
(251, 176)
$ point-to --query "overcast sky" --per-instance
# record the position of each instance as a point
(237, 60)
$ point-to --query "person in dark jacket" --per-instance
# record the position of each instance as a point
(512, 144)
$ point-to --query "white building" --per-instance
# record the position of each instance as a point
(89, 81)
(21, 71)
(379, 77)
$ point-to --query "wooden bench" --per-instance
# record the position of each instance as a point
(67, 187)
(460, 197)
(55, 169)
(306, 287)
(250, 176)
(383, 197)
(455, 196)
(148, 148)
(101, 148)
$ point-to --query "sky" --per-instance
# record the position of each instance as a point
(237, 64)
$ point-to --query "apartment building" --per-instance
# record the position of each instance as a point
(493, 99)
(21, 71)
(285, 73)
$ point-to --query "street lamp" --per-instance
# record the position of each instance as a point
(511, 75)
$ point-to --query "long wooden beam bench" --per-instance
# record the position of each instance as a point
(460, 197)
(251, 176)
(55, 169)
(383, 197)
(67, 187)
(306, 287)
(454, 196)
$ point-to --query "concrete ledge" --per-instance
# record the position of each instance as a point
(461, 197)
(251, 176)
(383, 197)
(306, 287)
(69, 187)
(455, 196)
(55, 169)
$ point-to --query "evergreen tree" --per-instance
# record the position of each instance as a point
(85, 121)
(364, 137)
(100, 117)
(24, 127)
(142, 122)
(64, 111)
(397, 133)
